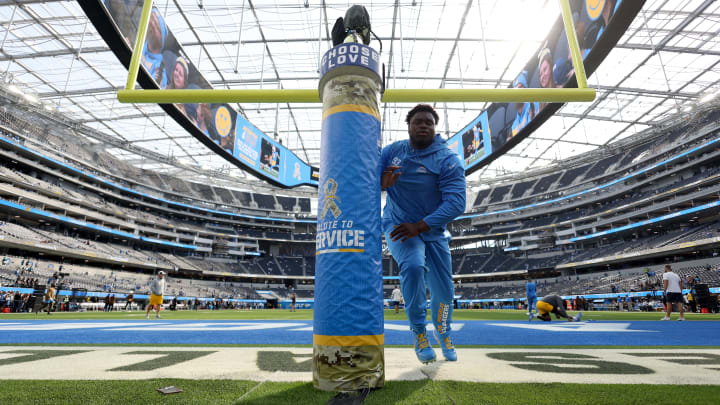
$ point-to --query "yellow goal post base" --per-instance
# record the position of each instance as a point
(524, 95)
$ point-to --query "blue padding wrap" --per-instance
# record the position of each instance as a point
(348, 269)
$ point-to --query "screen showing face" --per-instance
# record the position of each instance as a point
(169, 66)
(479, 141)
(550, 67)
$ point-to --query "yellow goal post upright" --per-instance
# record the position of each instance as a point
(512, 95)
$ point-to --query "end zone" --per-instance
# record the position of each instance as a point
(497, 365)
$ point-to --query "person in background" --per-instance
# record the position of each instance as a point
(396, 298)
(531, 293)
(152, 56)
(553, 304)
(525, 111)
(672, 290)
(129, 301)
(157, 290)
(48, 299)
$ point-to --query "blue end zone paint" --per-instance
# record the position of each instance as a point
(513, 333)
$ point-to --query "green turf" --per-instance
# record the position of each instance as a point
(395, 392)
(270, 314)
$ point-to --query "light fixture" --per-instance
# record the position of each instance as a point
(15, 89)
(31, 98)
(708, 97)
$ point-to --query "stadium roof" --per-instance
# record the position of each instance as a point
(668, 60)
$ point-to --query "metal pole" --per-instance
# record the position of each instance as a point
(2, 47)
(139, 45)
(7, 31)
(577, 59)
(82, 40)
(237, 54)
(277, 116)
(320, 39)
(482, 34)
(262, 72)
(461, 73)
(662, 65)
(402, 65)
(518, 95)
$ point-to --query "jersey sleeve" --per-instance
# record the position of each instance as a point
(451, 183)
(385, 157)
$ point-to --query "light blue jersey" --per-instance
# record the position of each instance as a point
(430, 188)
(530, 289)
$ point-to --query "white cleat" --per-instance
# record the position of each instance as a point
(665, 319)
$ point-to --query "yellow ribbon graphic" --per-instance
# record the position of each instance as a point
(329, 203)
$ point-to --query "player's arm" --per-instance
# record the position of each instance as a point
(389, 173)
(665, 284)
(451, 183)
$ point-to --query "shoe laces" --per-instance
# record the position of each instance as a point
(422, 341)
(448, 343)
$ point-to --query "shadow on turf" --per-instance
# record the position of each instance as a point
(305, 393)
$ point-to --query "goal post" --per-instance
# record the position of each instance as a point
(581, 93)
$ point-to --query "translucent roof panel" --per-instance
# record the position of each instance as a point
(668, 60)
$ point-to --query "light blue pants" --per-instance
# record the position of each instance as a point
(425, 263)
(532, 302)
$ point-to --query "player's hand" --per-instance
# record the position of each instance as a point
(408, 230)
(389, 176)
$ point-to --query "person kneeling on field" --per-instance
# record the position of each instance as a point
(554, 304)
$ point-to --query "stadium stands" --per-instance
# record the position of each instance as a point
(549, 221)
(264, 201)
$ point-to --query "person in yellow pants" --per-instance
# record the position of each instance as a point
(552, 304)
(157, 290)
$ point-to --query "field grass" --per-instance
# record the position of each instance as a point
(395, 392)
(307, 314)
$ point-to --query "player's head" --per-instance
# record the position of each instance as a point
(421, 122)
(161, 274)
(668, 268)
